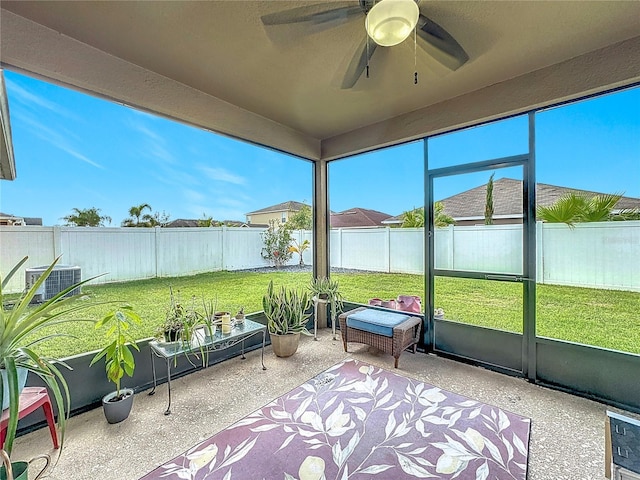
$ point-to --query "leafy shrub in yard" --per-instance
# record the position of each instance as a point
(277, 239)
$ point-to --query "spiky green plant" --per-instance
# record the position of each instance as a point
(20, 325)
(577, 207)
(286, 310)
(331, 289)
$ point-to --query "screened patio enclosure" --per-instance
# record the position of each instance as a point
(217, 66)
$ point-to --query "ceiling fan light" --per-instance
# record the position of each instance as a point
(390, 22)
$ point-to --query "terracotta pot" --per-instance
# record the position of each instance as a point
(285, 345)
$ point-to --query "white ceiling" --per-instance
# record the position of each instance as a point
(214, 64)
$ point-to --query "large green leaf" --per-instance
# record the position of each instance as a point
(19, 329)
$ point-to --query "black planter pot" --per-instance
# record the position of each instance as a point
(117, 411)
(172, 335)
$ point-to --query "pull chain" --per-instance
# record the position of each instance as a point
(367, 53)
(415, 57)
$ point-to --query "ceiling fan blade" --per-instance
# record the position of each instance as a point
(358, 63)
(439, 44)
(312, 13)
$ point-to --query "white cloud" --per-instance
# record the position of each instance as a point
(153, 145)
(146, 131)
(79, 156)
(54, 138)
(25, 97)
(222, 175)
(193, 195)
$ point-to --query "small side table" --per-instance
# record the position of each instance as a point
(317, 301)
(32, 398)
(220, 341)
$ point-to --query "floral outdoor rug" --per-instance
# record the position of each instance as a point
(357, 421)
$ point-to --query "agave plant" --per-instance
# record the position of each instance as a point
(19, 329)
(286, 310)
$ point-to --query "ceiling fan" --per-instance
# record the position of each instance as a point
(387, 23)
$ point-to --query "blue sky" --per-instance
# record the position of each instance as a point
(74, 150)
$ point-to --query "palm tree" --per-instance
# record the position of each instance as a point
(89, 217)
(415, 218)
(299, 248)
(600, 207)
(577, 207)
(441, 219)
(137, 216)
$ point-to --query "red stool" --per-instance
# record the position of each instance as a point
(31, 399)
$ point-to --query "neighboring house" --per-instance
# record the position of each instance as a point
(280, 212)
(182, 222)
(358, 217)
(12, 220)
(467, 208)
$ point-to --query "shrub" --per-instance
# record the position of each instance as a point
(277, 240)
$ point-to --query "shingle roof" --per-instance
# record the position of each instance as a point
(358, 217)
(27, 220)
(182, 222)
(281, 207)
(507, 195)
(507, 199)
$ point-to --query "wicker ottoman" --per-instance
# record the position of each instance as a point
(405, 334)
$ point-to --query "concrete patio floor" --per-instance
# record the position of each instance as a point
(567, 439)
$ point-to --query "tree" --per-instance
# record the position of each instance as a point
(89, 217)
(299, 248)
(301, 220)
(205, 221)
(578, 207)
(209, 221)
(159, 219)
(441, 219)
(416, 219)
(488, 203)
(277, 240)
(137, 217)
(413, 218)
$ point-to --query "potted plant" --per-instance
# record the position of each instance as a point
(171, 328)
(286, 318)
(21, 328)
(240, 316)
(118, 360)
(325, 290)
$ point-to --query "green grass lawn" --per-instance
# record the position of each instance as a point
(597, 317)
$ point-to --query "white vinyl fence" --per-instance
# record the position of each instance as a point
(599, 255)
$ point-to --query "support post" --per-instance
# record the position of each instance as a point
(321, 256)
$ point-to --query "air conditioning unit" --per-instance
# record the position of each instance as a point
(60, 278)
